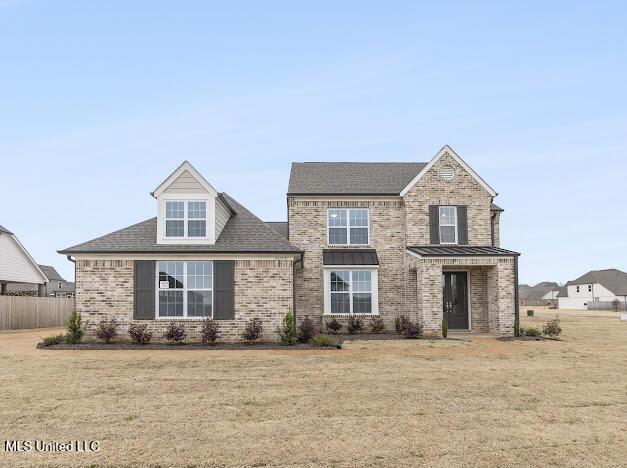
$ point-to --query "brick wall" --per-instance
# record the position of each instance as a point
(462, 190)
(263, 288)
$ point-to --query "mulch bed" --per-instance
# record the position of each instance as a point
(527, 338)
(372, 336)
(183, 346)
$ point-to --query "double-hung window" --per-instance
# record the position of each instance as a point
(348, 226)
(185, 218)
(448, 225)
(351, 291)
(184, 289)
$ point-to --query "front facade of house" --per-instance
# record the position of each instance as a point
(367, 239)
(595, 286)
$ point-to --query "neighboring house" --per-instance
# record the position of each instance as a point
(366, 239)
(17, 266)
(594, 286)
(544, 293)
(56, 286)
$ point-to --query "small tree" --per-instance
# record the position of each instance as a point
(107, 330)
(616, 305)
(175, 332)
(444, 328)
(138, 333)
(306, 330)
(334, 326)
(75, 328)
(210, 332)
(552, 328)
(287, 330)
(252, 329)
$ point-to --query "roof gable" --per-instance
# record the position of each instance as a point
(184, 171)
(448, 151)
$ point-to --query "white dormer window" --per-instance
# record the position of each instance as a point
(185, 218)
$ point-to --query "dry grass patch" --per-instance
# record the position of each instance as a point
(456, 402)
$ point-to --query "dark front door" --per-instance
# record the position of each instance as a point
(456, 300)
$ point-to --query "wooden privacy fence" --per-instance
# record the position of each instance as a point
(606, 305)
(18, 312)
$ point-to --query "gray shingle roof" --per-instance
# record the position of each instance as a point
(461, 251)
(351, 178)
(280, 227)
(3, 229)
(495, 207)
(540, 289)
(244, 232)
(612, 279)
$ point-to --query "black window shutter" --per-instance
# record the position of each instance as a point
(462, 225)
(434, 224)
(224, 289)
(144, 290)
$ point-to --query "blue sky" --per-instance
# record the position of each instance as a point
(100, 101)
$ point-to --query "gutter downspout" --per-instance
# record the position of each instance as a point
(69, 257)
(516, 298)
(300, 260)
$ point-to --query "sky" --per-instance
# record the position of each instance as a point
(100, 101)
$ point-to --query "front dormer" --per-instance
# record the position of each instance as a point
(186, 208)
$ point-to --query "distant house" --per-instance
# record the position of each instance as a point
(17, 266)
(56, 286)
(544, 293)
(594, 286)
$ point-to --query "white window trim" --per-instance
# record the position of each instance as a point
(456, 225)
(347, 227)
(374, 285)
(185, 290)
(186, 219)
(211, 218)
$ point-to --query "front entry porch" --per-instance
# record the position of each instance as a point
(474, 288)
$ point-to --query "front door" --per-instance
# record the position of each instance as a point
(456, 300)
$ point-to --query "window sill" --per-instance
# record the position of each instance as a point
(348, 246)
(350, 315)
(180, 319)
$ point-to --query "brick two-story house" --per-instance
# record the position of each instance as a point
(371, 239)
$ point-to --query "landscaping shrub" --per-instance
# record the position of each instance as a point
(138, 333)
(306, 330)
(409, 329)
(210, 332)
(552, 328)
(397, 324)
(325, 340)
(616, 305)
(334, 326)
(75, 328)
(287, 330)
(517, 329)
(252, 330)
(175, 332)
(444, 328)
(53, 340)
(107, 330)
(377, 325)
(354, 324)
(532, 331)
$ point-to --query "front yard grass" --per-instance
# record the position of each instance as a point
(462, 401)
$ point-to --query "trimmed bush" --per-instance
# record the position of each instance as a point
(334, 326)
(354, 324)
(377, 325)
(532, 331)
(209, 332)
(107, 330)
(410, 330)
(253, 329)
(306, 330)
(138, 333)
(444, 328)
(287, 330)
(175, 332)
(325, 341)
(75, 328)
(53, 340)
(552, 328)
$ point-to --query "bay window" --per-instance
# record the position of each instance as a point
(185, 218)
(348, 226)
(184, 289)
(351, 291)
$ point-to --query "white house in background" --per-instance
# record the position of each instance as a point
(599, 285)
(16, 264)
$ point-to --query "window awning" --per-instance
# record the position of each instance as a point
(350, 257)
(461, 251)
